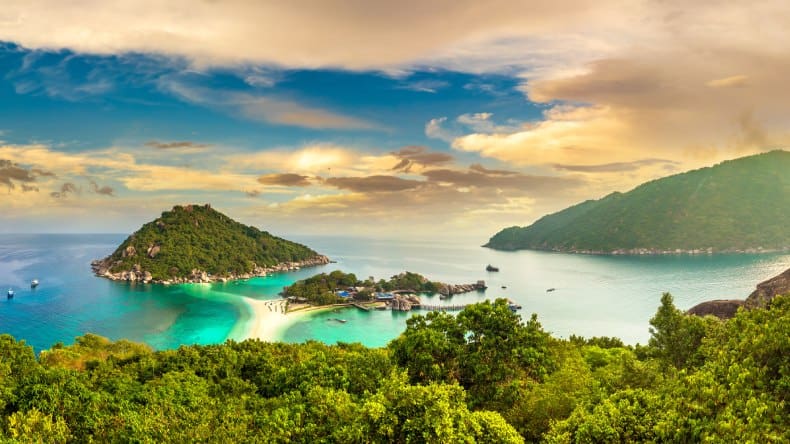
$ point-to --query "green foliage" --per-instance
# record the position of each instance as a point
(195, 237)
(485, 348)
(481, 376)
(320, 289)
(676, 337)
(735, 205)
(737, 392)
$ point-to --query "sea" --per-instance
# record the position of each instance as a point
(591, 296)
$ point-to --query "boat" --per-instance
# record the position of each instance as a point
(504, 287)
(490, 267)
(10, 293)
(550, 289)
(34, 283)
(342, 321)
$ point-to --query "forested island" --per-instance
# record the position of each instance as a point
(338, 287)
(481, 376)
(736, 206)
(196, 243)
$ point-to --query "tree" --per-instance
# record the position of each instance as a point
(676, 337)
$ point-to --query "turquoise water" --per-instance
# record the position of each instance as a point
(595, 295)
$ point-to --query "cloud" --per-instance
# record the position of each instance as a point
(181, 146)
(11, 173)
(480, 177)
(285, 179)
(427, 86)
(346, 35)
(434, 129)
(482, 123)
(103, 190)
(264, 108)
(373, 184)
(65, 190)
(729, 82)
(616, 166)
(410, 156)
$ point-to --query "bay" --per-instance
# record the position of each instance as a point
(594, 295)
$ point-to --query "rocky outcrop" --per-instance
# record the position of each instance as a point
(404, 302)
(721, 308)
(760, 298)
(450, 289)
(767, 290)
(137, 274)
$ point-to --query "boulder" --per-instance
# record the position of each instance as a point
(153, 250)
(721, 308)
(767, 290)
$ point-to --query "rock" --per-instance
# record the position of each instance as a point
(767, 290)
(129, 251)
(153, 250)
(147, 277)
(721, 308)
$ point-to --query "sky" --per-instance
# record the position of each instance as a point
(394, 119)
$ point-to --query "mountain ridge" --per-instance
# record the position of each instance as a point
(739, 205)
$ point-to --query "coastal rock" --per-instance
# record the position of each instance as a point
(767, 290)
(153, 250)
(129, 251)
(721, 308)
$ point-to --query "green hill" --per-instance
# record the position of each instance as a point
(737, 205)
(195, 242)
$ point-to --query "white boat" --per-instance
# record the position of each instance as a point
(34, 283)
(10, 293)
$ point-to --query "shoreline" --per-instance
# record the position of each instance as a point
(650, 251)
(268, 319)
(101, 268)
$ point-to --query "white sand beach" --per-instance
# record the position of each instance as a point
(270, 320)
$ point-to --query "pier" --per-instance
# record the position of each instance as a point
(429, 307)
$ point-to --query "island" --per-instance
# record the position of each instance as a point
(196, 243)
(737, 206)
(401, 292)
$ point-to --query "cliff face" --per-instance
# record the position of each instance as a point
(195, 243)
(769, 289)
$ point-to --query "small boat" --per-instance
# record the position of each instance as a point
(504, 287)
(490, 267)
(550, 289)
(10, 293)
(34, 283)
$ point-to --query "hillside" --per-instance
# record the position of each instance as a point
(737, 205)
(198, 243)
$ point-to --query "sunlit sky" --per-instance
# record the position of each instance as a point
(408, 118)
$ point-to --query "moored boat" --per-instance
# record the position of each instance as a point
(490, 267)
(34, 283)
(550, 289)
(10, 293)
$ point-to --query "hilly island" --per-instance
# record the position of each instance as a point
(195, 243)
(741, 205)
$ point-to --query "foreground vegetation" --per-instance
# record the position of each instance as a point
(736, 205)
(197, 237)
(480, 376)
(321, 288)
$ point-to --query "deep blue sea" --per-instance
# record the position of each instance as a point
(595, 295)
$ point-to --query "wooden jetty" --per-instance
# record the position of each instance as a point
(457, 307)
